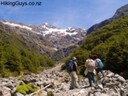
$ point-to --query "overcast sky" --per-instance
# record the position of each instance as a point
(61, 13)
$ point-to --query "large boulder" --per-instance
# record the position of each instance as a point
(5, 91)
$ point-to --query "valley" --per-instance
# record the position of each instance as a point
(32, 57)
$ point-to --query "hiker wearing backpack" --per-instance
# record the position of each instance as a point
(90, 67)
(72, 70)
(99, 64)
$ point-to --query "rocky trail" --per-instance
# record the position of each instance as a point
(54, 82)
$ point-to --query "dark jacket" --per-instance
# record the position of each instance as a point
(74, 66)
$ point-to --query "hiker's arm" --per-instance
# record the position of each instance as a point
(85, 63)
(96, 64)
(75, 64)
(76, 67)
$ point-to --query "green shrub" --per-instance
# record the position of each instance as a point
(25, 89)
(50, 93)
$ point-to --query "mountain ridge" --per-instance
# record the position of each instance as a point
(57, 36)
(122, 11)
(46, 39)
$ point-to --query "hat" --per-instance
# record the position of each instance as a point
(74, 58)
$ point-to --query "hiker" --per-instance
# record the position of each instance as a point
(90, 67)
(73, 73)
(99, 64)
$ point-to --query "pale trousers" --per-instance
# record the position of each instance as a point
(74, 80)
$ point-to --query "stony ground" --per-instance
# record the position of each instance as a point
(54, 82)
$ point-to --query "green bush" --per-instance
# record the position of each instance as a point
(50, 93)
(25, 89)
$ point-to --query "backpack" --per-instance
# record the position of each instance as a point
(100, 63)
(69, 66)
(90, 64)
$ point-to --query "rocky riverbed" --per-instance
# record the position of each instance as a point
(54, 82)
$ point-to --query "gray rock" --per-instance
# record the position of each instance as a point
(100, 94)
(110, 74)
(121, 79)
(116, 75)
(4, 91)
(104, 94)
(111, 84)
(100, 86)
(10, 85)
(111, 92)
(18, 94)
(64, 87)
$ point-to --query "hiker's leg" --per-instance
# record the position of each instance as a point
(89, 78)
(93, 77)
(97, 70)
(75, 80)
(72, 80)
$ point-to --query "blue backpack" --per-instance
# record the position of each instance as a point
(100, 63)
(69, 66)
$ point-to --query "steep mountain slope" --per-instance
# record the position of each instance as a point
(26, 48)
(119, 13)
(110, 43)
(28, 36)
(46, 38)
(17, 58)
(60, 38)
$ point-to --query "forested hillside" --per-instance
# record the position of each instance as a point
(110, 43)
(17, 58)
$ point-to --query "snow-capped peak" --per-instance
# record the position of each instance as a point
(58, 31)
(47, 25)
(17, 25)
(59, 37)
(51, 29)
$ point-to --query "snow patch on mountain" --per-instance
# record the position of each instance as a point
(47, 26)
(59, 31)
(60, 38)
(17, 25)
